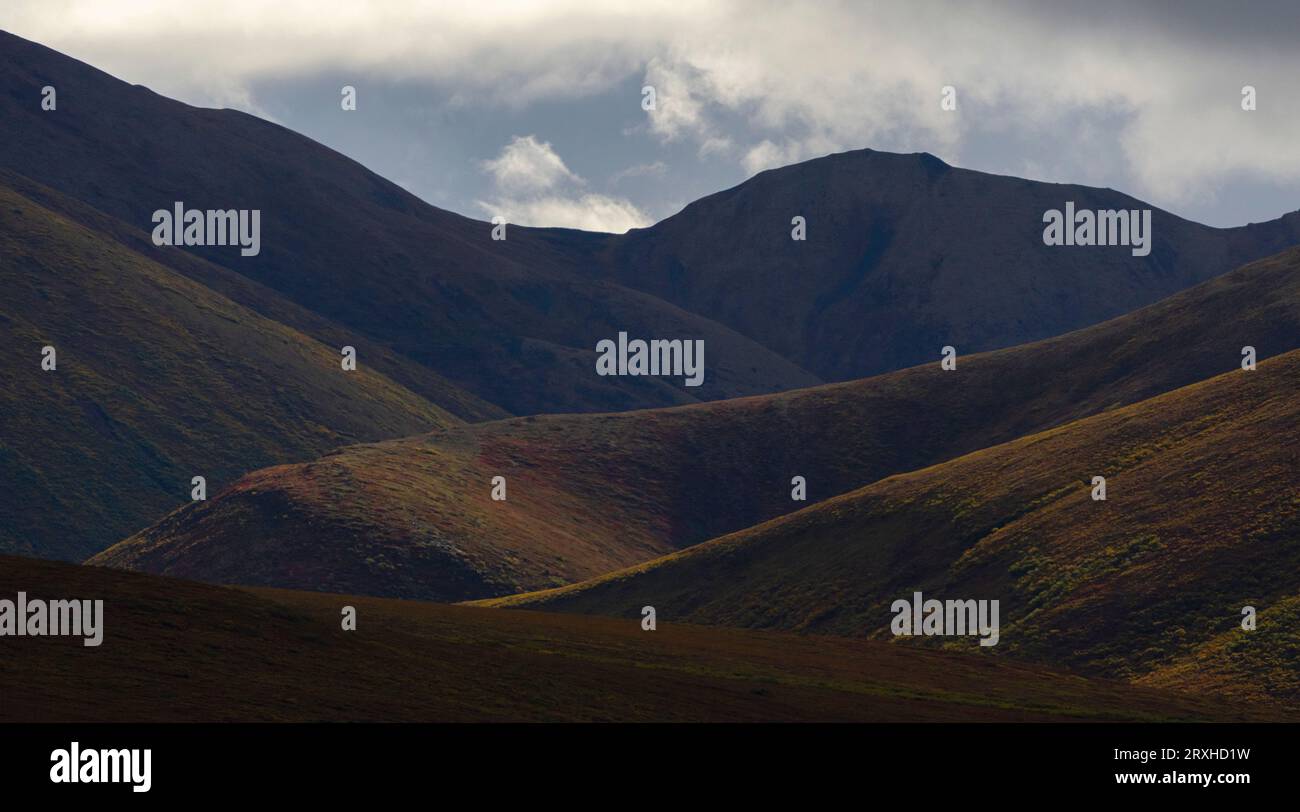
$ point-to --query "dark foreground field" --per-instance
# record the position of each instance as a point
(181, 651)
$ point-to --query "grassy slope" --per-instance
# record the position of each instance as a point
(589, 493)
(158, 379)
(262, 300)
(180, 651)
(1255, 666)
(1202, 518)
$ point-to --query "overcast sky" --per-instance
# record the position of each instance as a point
(534, 109)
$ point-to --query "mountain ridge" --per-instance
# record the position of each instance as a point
(904, 255)
(585, 491)
(356, 249)
(883, 237)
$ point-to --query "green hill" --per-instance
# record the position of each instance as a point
(591, 493)
(158, 379)
(1202, 518)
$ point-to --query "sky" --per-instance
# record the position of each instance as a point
(536, 110)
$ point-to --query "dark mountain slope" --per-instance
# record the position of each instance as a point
(509, 320)
(261, 299)
(414, 517)
(1202, 518)
(158, 379)
(906, 254)
(176, 651)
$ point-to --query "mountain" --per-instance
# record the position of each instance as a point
(179, 651)
(1201, 519)
(157, 379)
(590, 493)
(475, 329)
(261, 299)
(511, 321)
(904, 254)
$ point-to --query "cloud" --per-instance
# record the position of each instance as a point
(680, 91)
(807, 79)
(764, 155)
(650, 170)
(534, 188)
(769, 155)
(512, 52)
(589, 212)
(1151, 89)
(527, 165)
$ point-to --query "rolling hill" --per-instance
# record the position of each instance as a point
(1255, 667)
(590, 493)
(179, 651)
(157, 379)
(1201, 519)
(261, 299)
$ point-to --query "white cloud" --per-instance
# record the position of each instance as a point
(527, 165)
(769, 155)
(679, 101)
(589, 212)
(535, 188)
(763, 155)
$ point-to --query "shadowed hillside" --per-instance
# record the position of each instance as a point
(906, 254)
(158, 379)
(1202, 518)
(587, 493)
(262, 300)
(511, 321)
(180, 651)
